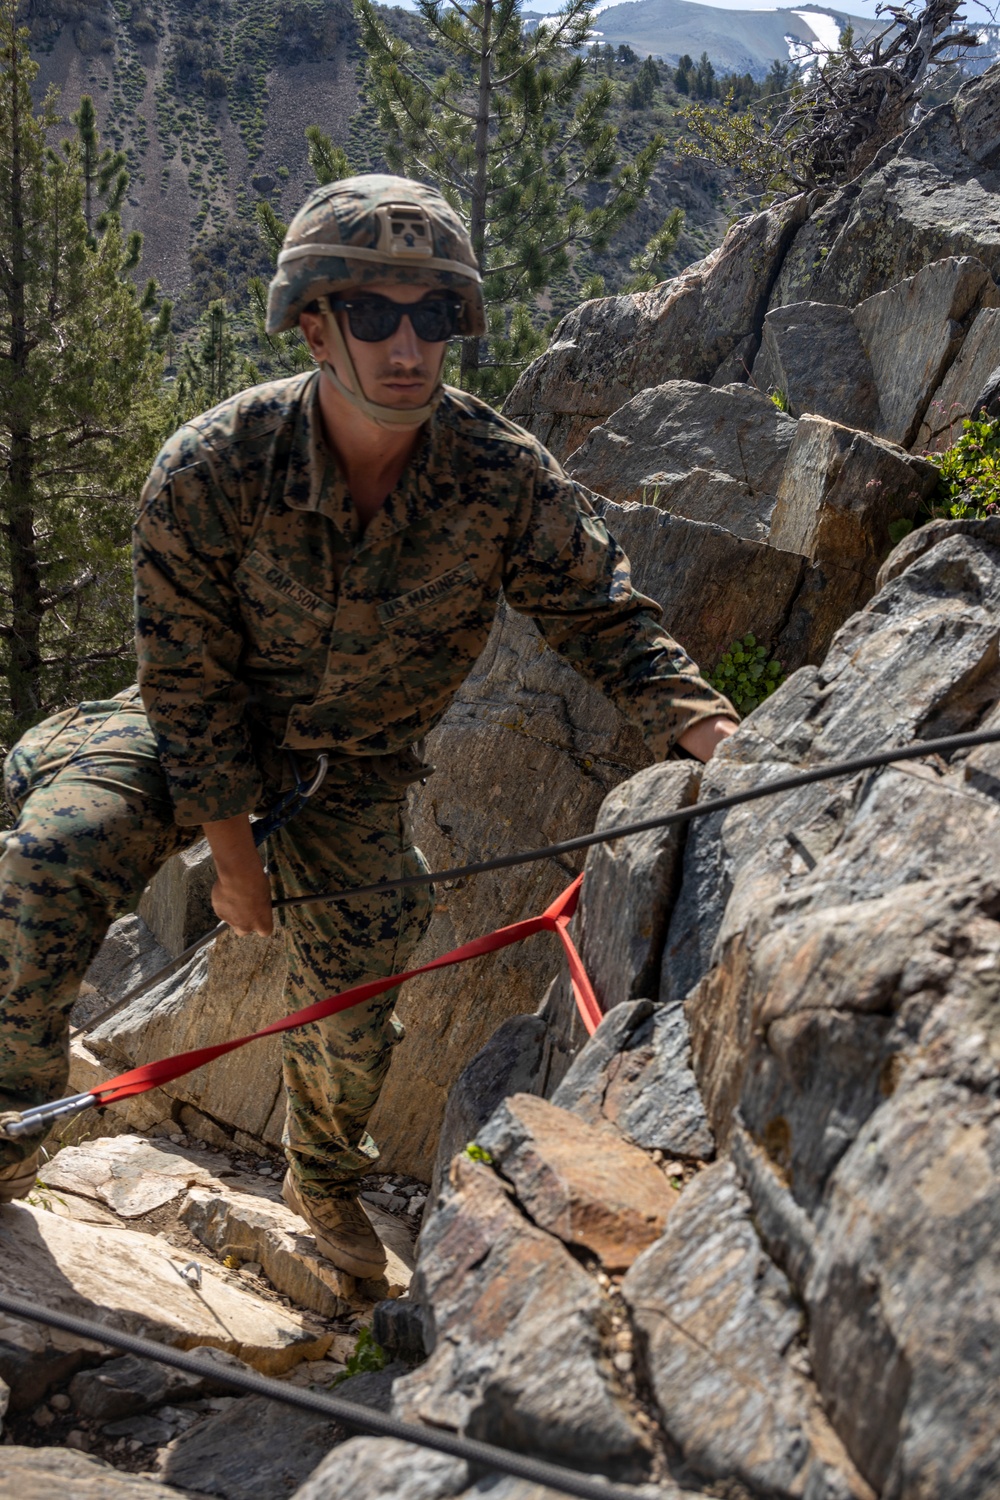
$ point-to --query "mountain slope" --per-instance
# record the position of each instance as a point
(738, 41)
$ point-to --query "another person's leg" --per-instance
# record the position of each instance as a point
(94, 824)
(334, 1070)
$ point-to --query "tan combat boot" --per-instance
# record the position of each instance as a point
(342, 1230)
(17, 1179)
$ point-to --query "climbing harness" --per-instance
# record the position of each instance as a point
(292, 802)
(364, 1418)
(555, 919)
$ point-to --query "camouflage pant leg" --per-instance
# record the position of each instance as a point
(94, 823)
(335, 1069)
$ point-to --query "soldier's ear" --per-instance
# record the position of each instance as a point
(311, 325)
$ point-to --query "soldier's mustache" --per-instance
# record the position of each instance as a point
(403, 372)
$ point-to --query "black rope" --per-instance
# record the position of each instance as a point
(916, 751)
(364, 1418)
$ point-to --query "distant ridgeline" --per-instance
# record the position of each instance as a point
(210, 99)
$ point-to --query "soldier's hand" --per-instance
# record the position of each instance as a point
(704, 737)
(245, 903)
(241, 895)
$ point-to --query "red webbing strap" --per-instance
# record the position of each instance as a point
(555, 919)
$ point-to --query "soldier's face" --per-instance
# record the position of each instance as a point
(400, 371)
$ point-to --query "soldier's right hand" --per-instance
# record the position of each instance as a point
(241, 895)
(245, 904)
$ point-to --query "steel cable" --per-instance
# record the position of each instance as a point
(917, 751)
(364, 1418)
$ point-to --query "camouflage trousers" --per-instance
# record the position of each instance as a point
(94, 825)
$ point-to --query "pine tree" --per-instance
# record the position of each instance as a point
(79, 419)
(212, 368)
(512, 135)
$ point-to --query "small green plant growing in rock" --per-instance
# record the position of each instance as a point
(368, 1358)
(478, 1153)
(42, 1196)
(969, 487)
(780, 400)
(745, 675)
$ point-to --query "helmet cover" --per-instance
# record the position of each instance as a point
(374, 228)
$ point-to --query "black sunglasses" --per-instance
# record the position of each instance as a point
(373, 318)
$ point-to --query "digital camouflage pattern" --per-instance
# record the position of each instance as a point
(95, 823)
(264, 617)
(267, 621)
(385, 229)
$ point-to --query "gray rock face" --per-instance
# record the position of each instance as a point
(929, 195)
(877, 366)
(717, 1322)
(516, 1328)
(231, 987)
(913, 332)
(382, 1469)
(608, 351)
(845, 1014)
(635, 1074)
(582, 1183)
(966, 386)
(713, 586)
(129, 955)
(840, 492)
(514, 1061)
(176, 906)
(126, 1386)
(708, 454)
(629, 884)
(812, 353)
(257, 1447)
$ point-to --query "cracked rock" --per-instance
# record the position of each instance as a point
(580, 1182)
(517, 1334)
(715, 1320)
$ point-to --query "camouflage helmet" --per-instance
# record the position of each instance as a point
(374, 228)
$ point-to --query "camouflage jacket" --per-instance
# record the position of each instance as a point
(265, 616)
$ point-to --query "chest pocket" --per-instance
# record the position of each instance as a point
(287, 625)
(435, 625)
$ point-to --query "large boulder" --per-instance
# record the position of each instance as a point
(928, 196)
(516, 1329)
(890, 363)
(708, 454)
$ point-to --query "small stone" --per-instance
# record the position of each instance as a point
(42, 1416)
(416, 1204)
(178, 1140)
(622, 1361)
(380, 1200)
(80, 1440)
(251, 1268)
(60, 1402)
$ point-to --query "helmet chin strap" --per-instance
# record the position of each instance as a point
(384, 416)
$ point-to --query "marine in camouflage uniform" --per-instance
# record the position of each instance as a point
(270, 620)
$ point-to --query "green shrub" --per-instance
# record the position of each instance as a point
(745, 675)
(368, 1358)
(969, 487)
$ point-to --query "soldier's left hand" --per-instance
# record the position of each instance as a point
(703, 738)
